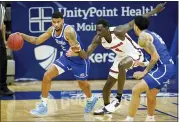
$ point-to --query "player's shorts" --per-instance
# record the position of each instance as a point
(114, 68)
(80, 67)
(159, 75)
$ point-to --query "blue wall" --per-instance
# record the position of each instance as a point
(33, 18)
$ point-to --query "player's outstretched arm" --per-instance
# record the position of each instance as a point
(91, 48)
(37, 40)
(75, 46)
(95, 42)
(122, 29)
(145, 41)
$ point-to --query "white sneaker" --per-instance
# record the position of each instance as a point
(113, 106)
(101, 111)
(150, 119)
(128, 119)
(110, 108)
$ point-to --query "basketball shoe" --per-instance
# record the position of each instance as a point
(128, 119)
(108, 109)
(40, 110)
(150, 119)
(90, 104)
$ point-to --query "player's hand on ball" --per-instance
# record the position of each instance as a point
(15, 42)
(19, 33)
(138, 75)
(160, 7)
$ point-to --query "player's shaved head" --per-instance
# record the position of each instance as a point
(103, 22)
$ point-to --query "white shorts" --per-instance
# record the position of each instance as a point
(114, 68)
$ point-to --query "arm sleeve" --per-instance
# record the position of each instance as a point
(2, 13)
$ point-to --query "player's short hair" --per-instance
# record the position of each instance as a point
(142, 22)
(103, 22)
(57, 14)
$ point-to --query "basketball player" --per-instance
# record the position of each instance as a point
(159, 70)
(127, 52)
(65, 36)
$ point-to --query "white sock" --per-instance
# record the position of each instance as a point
(129, 118)
(44, 101)
(150, 117)
(90, 99)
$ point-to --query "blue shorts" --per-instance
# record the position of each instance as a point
(79, 66)
(159, 75)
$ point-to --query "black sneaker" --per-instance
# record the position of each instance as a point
(6, 92)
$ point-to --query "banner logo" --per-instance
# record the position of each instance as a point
(40, 19)
(46, 55)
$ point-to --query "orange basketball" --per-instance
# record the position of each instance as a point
(15, 42)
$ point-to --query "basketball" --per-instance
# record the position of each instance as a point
(15, 42)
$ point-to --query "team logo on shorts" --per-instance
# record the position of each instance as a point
(82, 75)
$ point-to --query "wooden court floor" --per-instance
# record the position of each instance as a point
(67, 103)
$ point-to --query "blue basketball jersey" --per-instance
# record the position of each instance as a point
(79, 66)
(63, 42)
(164, 70)
(161, 48)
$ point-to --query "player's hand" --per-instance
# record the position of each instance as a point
(19, 33)
(139, 63)
(160, 7)
(70, 53)
(139, 75)
(76, 48)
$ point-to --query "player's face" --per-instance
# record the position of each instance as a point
(101, 30)
(57, 23)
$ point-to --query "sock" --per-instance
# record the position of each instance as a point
(150, 117)
(44, 101)
(119, 97)
(130, 118)
(90, 99)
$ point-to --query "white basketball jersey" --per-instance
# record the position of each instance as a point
(125, 47)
